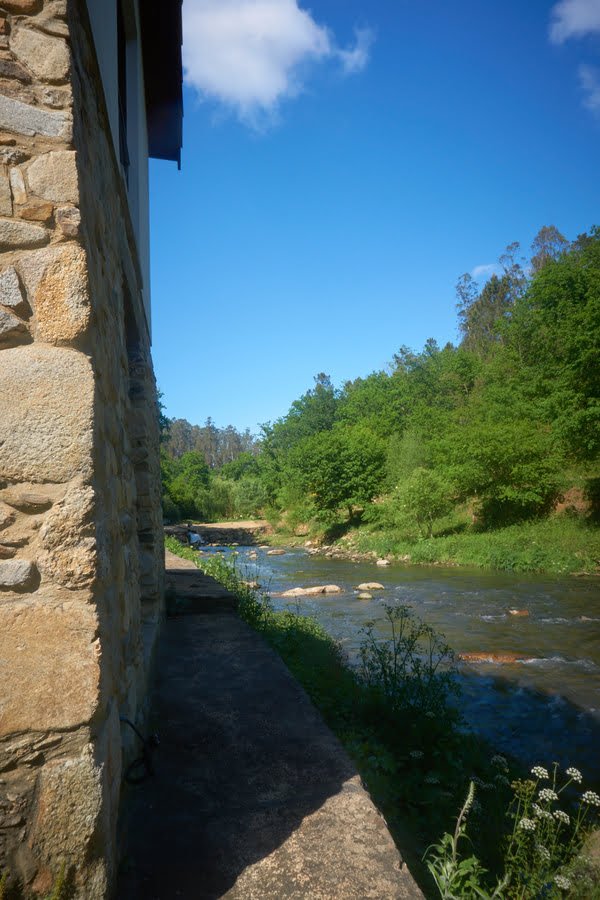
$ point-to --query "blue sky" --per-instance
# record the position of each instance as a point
(344, 162)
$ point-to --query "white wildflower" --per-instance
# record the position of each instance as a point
(543, 852)
(561, 816)
(541, 813)
(547, 795)
(416, 754)
(540, 772)
(575, 774)
(591, 797)
(561, 882)
(527, 824)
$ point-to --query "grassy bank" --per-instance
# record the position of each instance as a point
(560, 545)
(397, 719)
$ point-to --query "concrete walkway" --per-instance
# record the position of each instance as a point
(253, 796)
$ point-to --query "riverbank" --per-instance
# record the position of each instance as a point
(559, 545)
(415, 761)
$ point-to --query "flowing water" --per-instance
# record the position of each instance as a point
(543, 705)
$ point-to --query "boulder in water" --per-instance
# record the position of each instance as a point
(275, 552)
(312, 591)
(382, 562)
(518, 612)
(489, 657)
(364, 595)
(370, 586)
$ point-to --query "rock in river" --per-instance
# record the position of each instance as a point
(313, 591)
(370, 586)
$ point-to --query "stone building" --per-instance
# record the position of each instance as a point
(88, 90)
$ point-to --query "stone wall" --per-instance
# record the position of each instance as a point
(81, 570)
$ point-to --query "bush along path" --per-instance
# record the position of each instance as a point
(519, 835)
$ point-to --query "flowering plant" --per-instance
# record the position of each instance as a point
(540, 849)
(545, 838)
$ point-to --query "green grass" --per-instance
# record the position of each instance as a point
(559, 545)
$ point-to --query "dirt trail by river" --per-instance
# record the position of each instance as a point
(243, 524)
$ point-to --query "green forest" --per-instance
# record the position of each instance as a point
(484, 452)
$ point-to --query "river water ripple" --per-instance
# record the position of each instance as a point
(543, 706)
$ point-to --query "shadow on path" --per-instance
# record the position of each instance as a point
(253, 796)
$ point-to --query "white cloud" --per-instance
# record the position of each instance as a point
(485, 271)
(574, 18)
(251, 54)
(356, 59)
(589, 78)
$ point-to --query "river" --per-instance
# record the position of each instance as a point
(542, 707)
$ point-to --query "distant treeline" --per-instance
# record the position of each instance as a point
(199, 464)
(493, 430)
(218, 446)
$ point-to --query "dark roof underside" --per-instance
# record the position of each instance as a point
(161, 47)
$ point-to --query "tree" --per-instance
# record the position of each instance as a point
(250, 496)
(479, 314)
(513, 272)
(342, 467)
(244, 465)
(548, 245)
(373, 402)
(190, 480)
(180, 439)
(556, 333)
(406, 452)
(424, 497)
(511, 468)
(164, 423)
(314, 412)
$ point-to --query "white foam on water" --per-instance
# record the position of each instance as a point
(588, 664)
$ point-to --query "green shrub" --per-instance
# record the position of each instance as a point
(249, 496)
